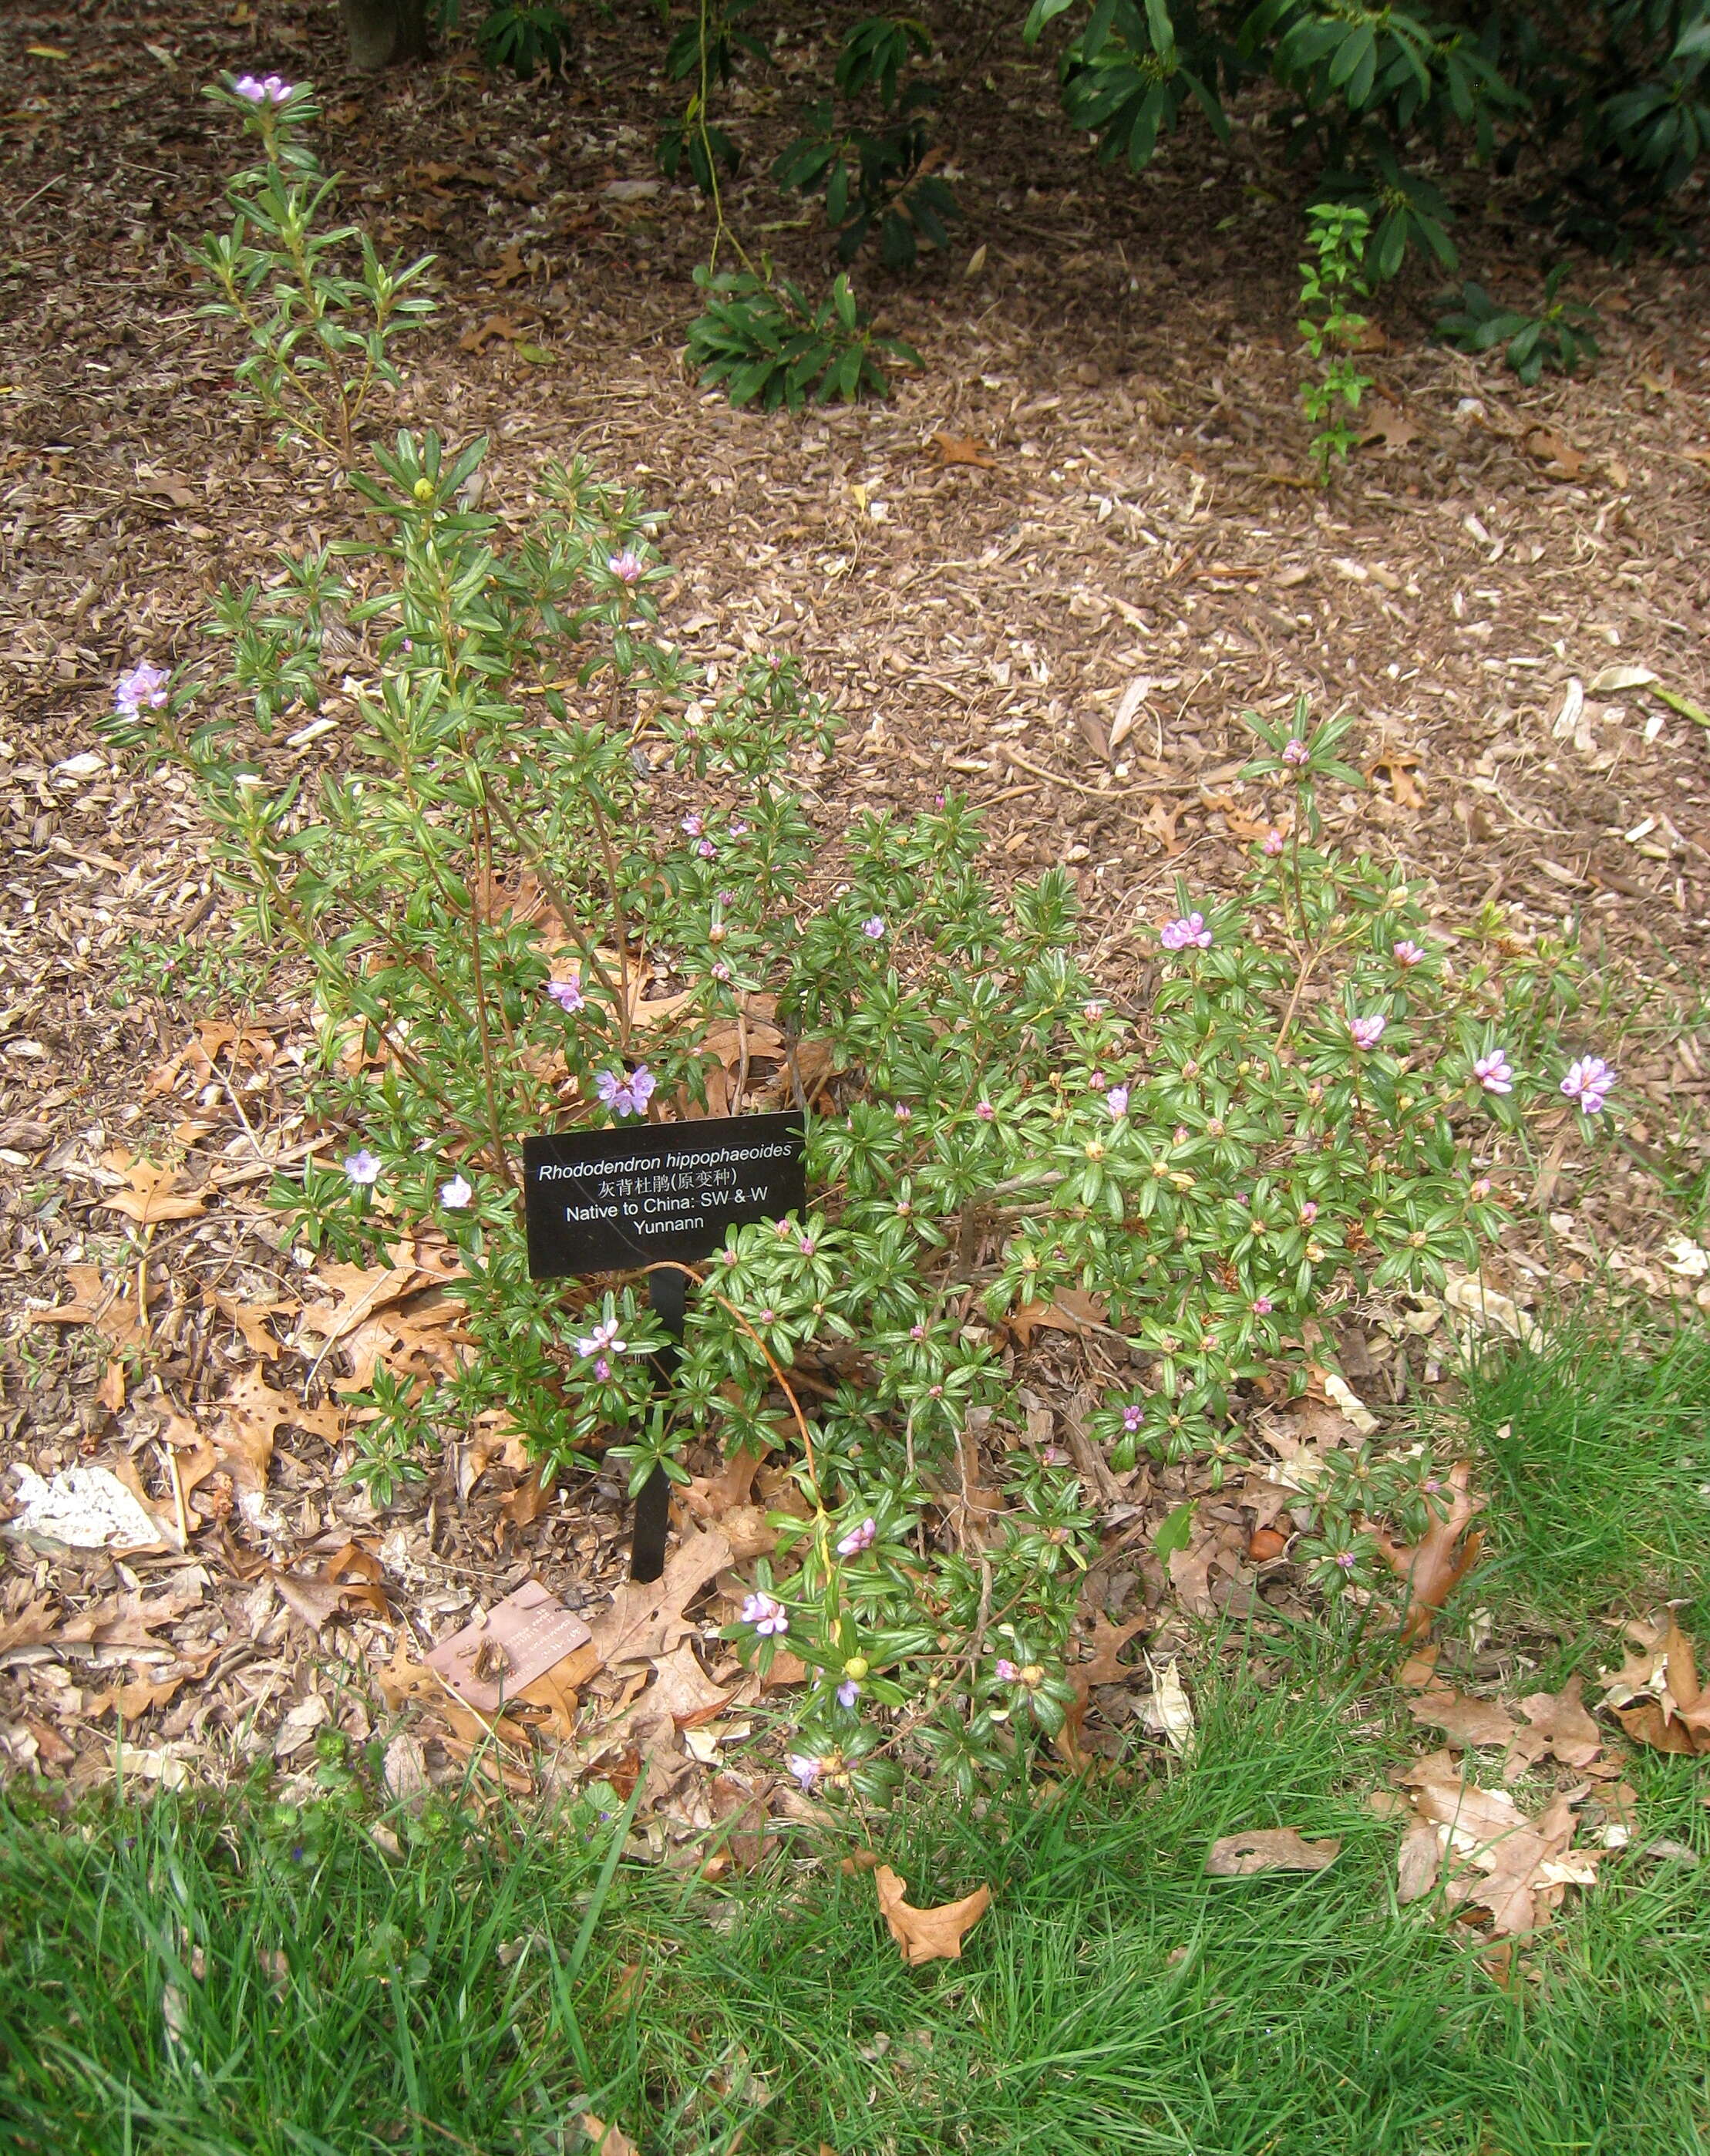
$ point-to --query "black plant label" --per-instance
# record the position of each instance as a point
(610, 1200)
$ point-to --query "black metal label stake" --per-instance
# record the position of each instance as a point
(613, 1200)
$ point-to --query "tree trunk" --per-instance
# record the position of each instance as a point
(382, 32)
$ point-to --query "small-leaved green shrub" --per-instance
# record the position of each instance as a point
(1330, 329)
(318, 309)
(1301, 1104)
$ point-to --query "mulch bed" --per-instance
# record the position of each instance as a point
(1099, 478)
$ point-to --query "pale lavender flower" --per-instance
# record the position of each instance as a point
(692, 825)
(859, 1538)
(706, 849)
(1008, 1673)
(806, 1769)
(455, 1195)
(739, 830)
(601, 1369)
(1188, 932)
(1133, 1417)
(626, 1096)
(363, 1168)
(766, 1614)
(627, 567)
(567, 995)
(903, 1113)
(270, 90)
(1368, 1032)
(848, 1692)
(1294, 750)
(1408, 953)
(1347, 1560)
(1117, 1100)
(1493, 1073)
(873, 927)
(1273, 841)
(603, 1341)
(144, 684)
(1588, 1082)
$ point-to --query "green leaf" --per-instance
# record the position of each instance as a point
(1176, 1533)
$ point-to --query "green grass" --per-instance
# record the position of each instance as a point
(1597, 1452)
(1114, 1998)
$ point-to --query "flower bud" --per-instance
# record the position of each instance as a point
(423, 490)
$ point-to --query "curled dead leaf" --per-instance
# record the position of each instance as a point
(924, 1935)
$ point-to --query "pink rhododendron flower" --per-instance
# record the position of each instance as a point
(603, 1340)
(144, 684)
(1493, 1073)
(1007, 1671)
(766, 1614)
(806, 1769)
(455, 1195)
(626, 566)
(873, 927)
(1588, 1082)
(363, 1168)
(1189, 931)
(1408, 953)
(626, 1096)
(1366, 1032)
(858, 1539)
(1294, 750)
(1273, 841)
(1117, 1100)
(567, 995)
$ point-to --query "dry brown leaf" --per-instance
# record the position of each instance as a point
(34, 1626)
(1161, 822)
(1387, 423)
(251, 1319)
(1070, 1311)
(1101, 1666)
(404, 1679)
(1398, 769)
(152, 1194)
(1516, 1868)
(1418, 1862)
(1269, 1849)
(1437, 1565)
(1656, 1696)
(108, 1305)
(963, 449)
(646, 1619)
(1462, 1720)
(477, 338)
(131, 1701)
(606, 2140)
(1419, 1670)
(924, 1935)
(1557, 454)
(1559, 1725)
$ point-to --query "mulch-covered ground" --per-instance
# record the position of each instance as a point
(1094, 496)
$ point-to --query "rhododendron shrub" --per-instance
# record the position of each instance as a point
(560, 878)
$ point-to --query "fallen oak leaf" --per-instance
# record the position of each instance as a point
(924, 1935)
(963, 449)
(646, 1618)
(1101, 1666)
(606, 2140)
(1465, 1722)
(1559, 1725)
(151, 1195)
(1269, 1849)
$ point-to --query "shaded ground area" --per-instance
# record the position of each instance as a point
(1098, 480)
